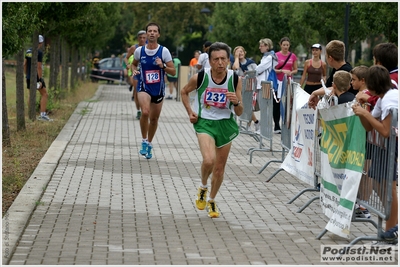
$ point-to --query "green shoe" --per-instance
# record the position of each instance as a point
(138, 115)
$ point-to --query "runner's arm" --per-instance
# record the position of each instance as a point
(131, 50)
(170, 69)
(185, 91)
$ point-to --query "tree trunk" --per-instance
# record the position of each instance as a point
(74, 67)
(33, 83)
(6, 128)
(57, 63)
(20, 91)
(86, 70)
(64, 67)
(81, 65)
(53, 51)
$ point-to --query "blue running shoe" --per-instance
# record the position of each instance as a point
(149, 155)
(391, 234)
(143, 151)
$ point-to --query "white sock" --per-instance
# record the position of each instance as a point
(149, 143)
(208, 199)
(145, 140)
(42, 113)
(203, 186)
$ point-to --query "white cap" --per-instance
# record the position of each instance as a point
(141, 32)
(41, 39)
(317, 46)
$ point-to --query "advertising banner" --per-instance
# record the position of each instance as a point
(342, 159)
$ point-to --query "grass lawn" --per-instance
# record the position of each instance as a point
(29, 146)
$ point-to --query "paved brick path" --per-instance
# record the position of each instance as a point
(105, 204)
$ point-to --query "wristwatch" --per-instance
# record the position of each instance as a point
(164, 66)
(237, 104)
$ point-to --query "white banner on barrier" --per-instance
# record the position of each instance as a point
(342, 160)
(300, 160)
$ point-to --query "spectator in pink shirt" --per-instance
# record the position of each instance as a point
(287, 64)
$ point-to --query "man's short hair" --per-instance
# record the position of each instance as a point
(217, 46)
(267, 42)
(342, 80)
(360, 72)
(207, 44)
(336, 50)
(386, 55)
(153, 24)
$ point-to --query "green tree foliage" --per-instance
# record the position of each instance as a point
(182, 24)
(175, 18)
(376, 18)
(105, 26)
(19, 20)
(300, 30)
(318, 22)
(244, 24)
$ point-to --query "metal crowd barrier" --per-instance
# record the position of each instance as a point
(249, 85)
(378, 180)
(317, 164)
(179, 85)
(332, 101)
(317, 174)
(286, 137)
(265, 101)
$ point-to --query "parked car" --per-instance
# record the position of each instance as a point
(110, 70)
(297, 76)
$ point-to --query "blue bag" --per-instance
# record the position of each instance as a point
(272, 78)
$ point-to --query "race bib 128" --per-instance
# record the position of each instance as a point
(152, 76)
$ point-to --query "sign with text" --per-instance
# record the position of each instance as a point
(342, 159)
(300, 160)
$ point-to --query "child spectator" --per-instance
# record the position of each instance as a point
(384, 54)
(341, 85)
(358, 81)
(379, 84)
